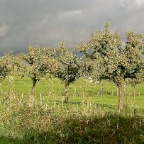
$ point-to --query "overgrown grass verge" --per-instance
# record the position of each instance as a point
(64, 124)
(90, 117)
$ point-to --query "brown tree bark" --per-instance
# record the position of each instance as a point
(33, 86)
(134, 92)
(66, 92)
(32, 99)
(121, 95)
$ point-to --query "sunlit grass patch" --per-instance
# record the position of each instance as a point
(91, 116)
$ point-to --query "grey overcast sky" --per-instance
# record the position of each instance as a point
(47, 22)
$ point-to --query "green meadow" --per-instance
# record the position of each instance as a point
(91, 116)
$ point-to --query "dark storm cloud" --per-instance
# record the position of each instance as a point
(47, 22)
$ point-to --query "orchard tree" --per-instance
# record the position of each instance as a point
(6, 65)
(115, 60)
(36, 63)
(68, 67)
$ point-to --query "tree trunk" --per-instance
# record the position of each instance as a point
(33, 86)
(31, 100)
(134, 91)
(117, 91)
(66, 92)
(121, 95)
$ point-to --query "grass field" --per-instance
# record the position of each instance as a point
(91, 115)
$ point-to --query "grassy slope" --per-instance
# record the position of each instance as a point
(15, 116)
(101, 93)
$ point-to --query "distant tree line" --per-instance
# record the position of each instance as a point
(105, 56)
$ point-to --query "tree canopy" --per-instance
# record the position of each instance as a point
(68, 67)
(36, 63)
(6, 65)
(114, 59)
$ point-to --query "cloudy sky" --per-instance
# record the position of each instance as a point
(47, 22)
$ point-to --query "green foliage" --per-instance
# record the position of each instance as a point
(68, 65)
(113, 59)
(6, 65)
(36, 63)
(45, 126)
(138, 80)
(85, 119)
(106, 129)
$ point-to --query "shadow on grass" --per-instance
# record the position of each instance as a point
(6, 140)
(107, 129)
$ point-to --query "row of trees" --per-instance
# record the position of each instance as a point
(37, 62)
(105, 56)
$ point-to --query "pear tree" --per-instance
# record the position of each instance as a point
(68, 67)
(36, 63)
(115, 60)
